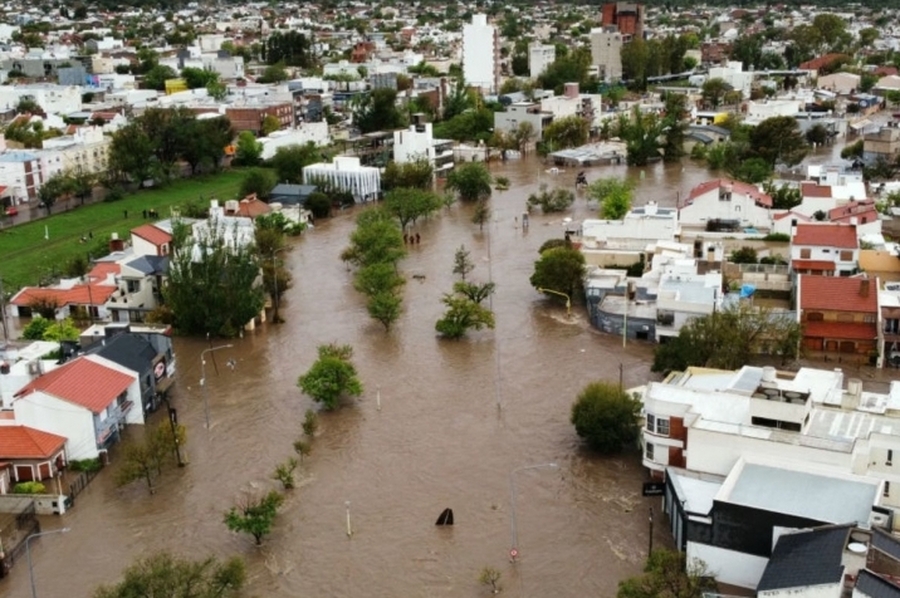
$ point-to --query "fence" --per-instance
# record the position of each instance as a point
(80, 483)
(26, 525)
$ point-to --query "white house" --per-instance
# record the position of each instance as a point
(682, 295)
(86, 150)
(88, 400)
(733, 73)
(726, 201)
(418, 143)
(825, 248)
(52, 98)
(346, 173)
(89, 293)
(21, 175)
(481, 54)
(316, 132)
(641, 226)
(840, 83)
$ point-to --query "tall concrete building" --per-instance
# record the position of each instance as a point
(627, 17)
(540, 56)
(481, 54)
(606, 52)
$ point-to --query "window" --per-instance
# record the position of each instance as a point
(826, 251)
(815, 316)
(651, 422)
(887, 485)
(805, 254)
(662, 427)
(648, 454)
(133, 285)
(846, 256)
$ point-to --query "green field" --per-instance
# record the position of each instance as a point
(26, 256)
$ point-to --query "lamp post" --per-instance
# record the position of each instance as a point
(61, 530)
(514, 534)
(203, 378)
(275, 298)
(561, 294)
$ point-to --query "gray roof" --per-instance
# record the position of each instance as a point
(838, 500)
(886, 543)
(809, 558)
(129, 350)
(150, 264)
(872, 586)
(291, 193)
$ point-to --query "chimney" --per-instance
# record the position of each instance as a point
(864, 287)
(570, 90)
(115, 243)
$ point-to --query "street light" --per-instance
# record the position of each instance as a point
(568, 299)
(203, 377)
(514, 551)
(275, 300)
(61, 530)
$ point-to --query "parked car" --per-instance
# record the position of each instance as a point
(12, 211)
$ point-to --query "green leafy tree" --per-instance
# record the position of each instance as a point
(216, 270)
(378, 111)
(567, 68)
(667, 574)
(254, 515)
(131, 156)
(474, 291)
(728, 339)
(36, 328)
(157, 76)
(481, 214)
(462, 315)
(783, 197)
(568, 131)
(462, 263)
(332, 376)
(642, 133)
(470, 181)
(284, 473)
(744, 255)
(418, 174)
(61, 330)
(384, 307)
(260, 181)
(635, 56)
(778, 139)
(557, 200)
(274, 73)
(472, 125)
(162, 574)
(459, 100)
(606, 417)
(751, 170)
(81, 183)
(289, 161)
(196, 78)
(713, 91)
(409, 204)
(248, 151)
(817, 134)
(674, 126)
(55, 187)
(377, 278)
(613, 195)
(210, 137)
(288, 47)
(377, 239)
(560, 269)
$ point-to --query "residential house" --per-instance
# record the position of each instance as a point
(152, 239)
(86, 150)
(641, 226)
(889, 302)
(70, 296)
(861, 214)
(520, 112)
(88, 400)
(138, 280)
(20, 175)
(883, 144)
(723, 204)
(826, 249)
(683, 295)
(840, 83)
(150, 356)
(250, 117)
(418, 143)
(820, 198)
(733, 522)
(249, 207)
(347, 174)
(287, 194)
(32, 455)
(840, 317)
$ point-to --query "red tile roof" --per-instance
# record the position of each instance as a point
(792, 214)
(840, 330)
(817, 265)
(152, 234)
(822, 61)
(83, 382)
(837, 293)
(886, 71)
(863, 211)
(251, 208)
(826, 235)
(738, 187)
(815, 190)
(82, 294)
(101, 271)
(22, 442)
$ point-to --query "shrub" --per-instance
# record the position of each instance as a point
(29, 488)
(778, 237)
(114, 194)
(319, 204)
(310, 423)
(85, 465)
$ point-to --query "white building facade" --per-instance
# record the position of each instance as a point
(540, 56)
(481, 54)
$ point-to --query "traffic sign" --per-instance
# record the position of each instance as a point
(513, 553)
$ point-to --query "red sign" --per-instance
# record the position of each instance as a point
(513, 553)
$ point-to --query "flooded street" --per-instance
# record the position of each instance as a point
(455, 419)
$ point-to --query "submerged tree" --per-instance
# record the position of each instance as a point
(163, 574)
(668, 574)
(254, 515)
(606, 417)
(332, 376)
(462, 315)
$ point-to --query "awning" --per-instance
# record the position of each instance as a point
(862, 124)
(164, 384)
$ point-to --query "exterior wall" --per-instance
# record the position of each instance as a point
(728, 566)
(317, 132)
(838, 345)
(86, 152)
(53, 415)
(822, 591)
(53, 99)
(130, 306)
(717, 452)
(480, 49)
(708, 206)
(21, 176)
(514, 114)
(142, 246)
(251, 118)
(830, 254)
(606, 53)
(540, 56)
(883, 144)
(231, 67)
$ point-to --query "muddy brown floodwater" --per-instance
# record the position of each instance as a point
(439, 439)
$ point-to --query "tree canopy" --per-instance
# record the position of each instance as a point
(254, 515)
(560, 269)
(471, 181)
(378, 111)
(606, 417)
(332, 376)
(667, 574)
(163, 574)
(613, 195)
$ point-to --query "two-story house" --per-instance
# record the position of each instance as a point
(683, 295)
(138, 283)
(522, 112)
(723, 204)
(88, 400)
(839, 316)
(825, 249)
(152, 239)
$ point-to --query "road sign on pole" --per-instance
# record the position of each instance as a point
(513, 553)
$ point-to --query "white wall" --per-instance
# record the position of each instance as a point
(315, 132)
(479, 68)
(829, 254)
(741, 207)
(833, 590)
(728, 566)
(411, 145)
(53, 415)
(540, 56)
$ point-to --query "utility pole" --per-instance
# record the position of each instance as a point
(650, 551)
(3, 314)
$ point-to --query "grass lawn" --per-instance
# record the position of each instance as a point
(26, 256)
